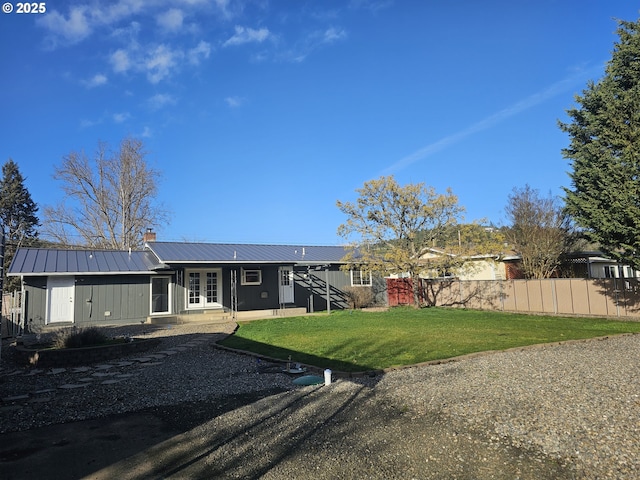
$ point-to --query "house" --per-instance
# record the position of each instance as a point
(166, 281)
(439, 264)
(594, 264)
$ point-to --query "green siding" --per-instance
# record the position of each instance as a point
(112, 299)
(35, 302)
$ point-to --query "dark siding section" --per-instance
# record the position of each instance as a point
(252, 297)
(35, 302)
(112, 299)
(311, 288)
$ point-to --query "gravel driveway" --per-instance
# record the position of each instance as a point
(190, 410)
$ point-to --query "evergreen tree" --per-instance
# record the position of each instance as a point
(604, 151)
(17, 216)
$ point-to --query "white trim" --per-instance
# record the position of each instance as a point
(243, 278)
(202, 298)
(363, 275)
(63, 286)
(169, 296)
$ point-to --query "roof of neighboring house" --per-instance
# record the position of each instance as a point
(47, 261)
(179, 252)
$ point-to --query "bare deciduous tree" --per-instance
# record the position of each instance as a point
(108, 202)
(539, 231)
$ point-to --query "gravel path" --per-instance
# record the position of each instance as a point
(561, 411)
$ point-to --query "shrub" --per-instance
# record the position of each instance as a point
(76, 338)
(359, 297)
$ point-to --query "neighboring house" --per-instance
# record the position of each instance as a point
(474, 267)
(585, 264)
(593, 264)
(172, 279)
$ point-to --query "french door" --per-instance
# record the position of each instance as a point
(204, 288)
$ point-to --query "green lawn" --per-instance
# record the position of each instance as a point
(358, 341)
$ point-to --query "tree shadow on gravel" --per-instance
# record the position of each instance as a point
(344, 430)
(341, 431)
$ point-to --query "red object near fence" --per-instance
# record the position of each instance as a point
(400, 291)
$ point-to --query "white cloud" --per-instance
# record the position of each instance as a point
(86, 123)
(537, 98)
(171, 20)
(234, 102)
(119, 10)
(160, 62)
(146, 132)
(127, 34)
(69, 30)
(313, 42)
(202, 50)
(120, 61)
(121, 117)
(161, 100)
(247, 35)
(333, 35)
(96, 81)
(82, 20)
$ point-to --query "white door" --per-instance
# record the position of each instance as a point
(286, 284)
(60, 298)
(204, 289)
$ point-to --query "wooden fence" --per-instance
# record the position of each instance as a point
(11, 325)
(610, 297)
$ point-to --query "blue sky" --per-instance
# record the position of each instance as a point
(261, 114)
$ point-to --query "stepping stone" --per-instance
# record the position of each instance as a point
(125, 375)
(15, 372)
(150, 364)
(46, 390)
(71, 386)
(34, 372)
(103, 374)
(181, 349)
(80, 369)
(168, 352)
(157, 356)
(124, 364)
(56, 371)
(110, 382)
(103, 367)
(142, 359)
(86, 379)
(15, 398)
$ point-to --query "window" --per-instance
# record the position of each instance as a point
(212, 287)
(360, 278)
(251, 277)
(610, 271)
(194, 288)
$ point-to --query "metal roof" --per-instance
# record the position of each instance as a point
(179, 252)
(45, 261)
